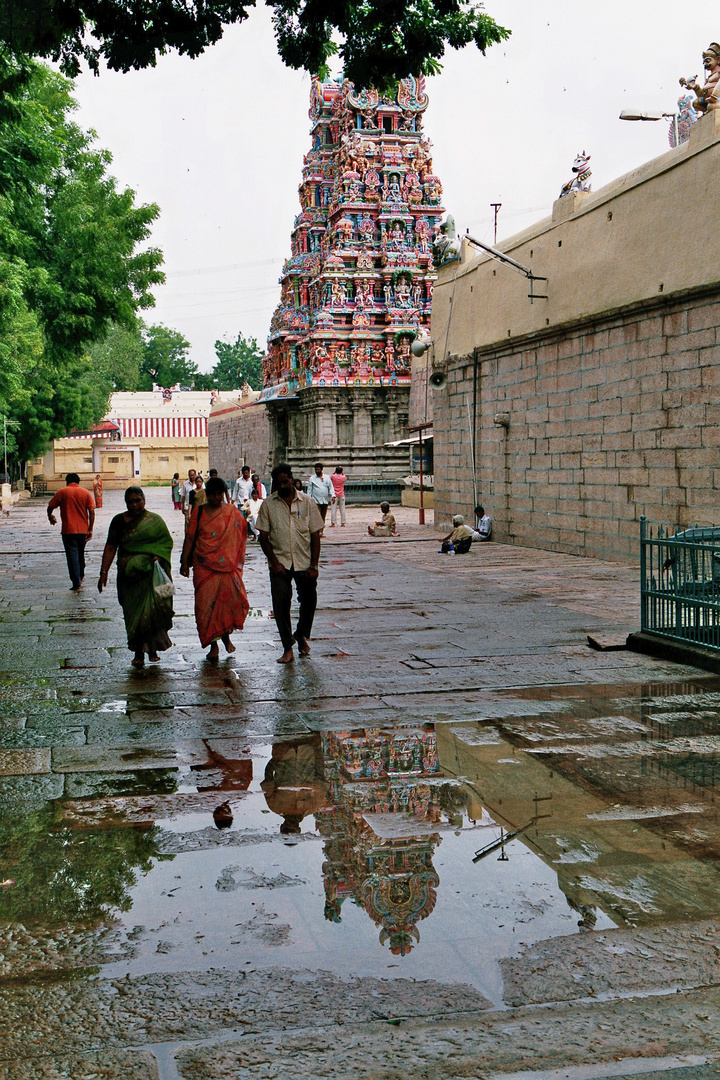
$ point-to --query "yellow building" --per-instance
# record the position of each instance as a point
(144, 436)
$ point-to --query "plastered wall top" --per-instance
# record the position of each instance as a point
(653, 232)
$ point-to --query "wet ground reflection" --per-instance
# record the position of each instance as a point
(433, 851)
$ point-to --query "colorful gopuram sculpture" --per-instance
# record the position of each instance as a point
(358, 283)
(382, 777)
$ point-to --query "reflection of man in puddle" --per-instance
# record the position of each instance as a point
(294, 783)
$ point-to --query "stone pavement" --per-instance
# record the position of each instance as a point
(451, 706)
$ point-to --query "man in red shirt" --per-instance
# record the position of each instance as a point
(77, 515)
(338, 479)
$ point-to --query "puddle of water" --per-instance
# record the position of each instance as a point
(426, 852)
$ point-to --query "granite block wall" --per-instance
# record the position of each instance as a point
(580, 431)
(239, 435)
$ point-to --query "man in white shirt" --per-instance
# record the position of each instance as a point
(185, 490)
(243, 486)
(483, 530)
(320, 489)
(290, 525)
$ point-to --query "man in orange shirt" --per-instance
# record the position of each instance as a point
(77, 515)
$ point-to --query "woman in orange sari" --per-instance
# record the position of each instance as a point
(97, 491)
(215, 546)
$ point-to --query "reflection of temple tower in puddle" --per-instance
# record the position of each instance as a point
(358, 284)
(374, 855)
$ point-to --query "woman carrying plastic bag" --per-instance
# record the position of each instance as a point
(143, 546)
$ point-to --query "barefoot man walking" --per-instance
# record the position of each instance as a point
(290, 524)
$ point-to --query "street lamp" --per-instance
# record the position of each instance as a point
(636, 114)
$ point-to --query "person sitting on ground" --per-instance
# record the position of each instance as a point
(459, 539)
(483, 528)
(387, 525)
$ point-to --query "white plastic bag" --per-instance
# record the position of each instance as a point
(162, 584)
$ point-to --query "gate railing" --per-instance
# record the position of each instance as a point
(680, 584)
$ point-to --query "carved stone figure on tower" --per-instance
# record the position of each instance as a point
(708, 95)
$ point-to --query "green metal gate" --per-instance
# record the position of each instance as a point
(680, 584)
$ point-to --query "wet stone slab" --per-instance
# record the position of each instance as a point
(86, 759)
(479, 1046)
(153, 1008)
(100, 1065)
(28, 762)
(614, 963)
(21, 795)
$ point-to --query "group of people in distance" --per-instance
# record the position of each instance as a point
(460, 538)
(289, 526)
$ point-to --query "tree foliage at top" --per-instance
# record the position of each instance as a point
(239, 362)
(69, 260)
(165, 360)
(381, 41)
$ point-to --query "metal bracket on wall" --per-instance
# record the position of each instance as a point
(513, 264)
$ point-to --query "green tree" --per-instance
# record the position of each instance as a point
(239, 361)
(118, 358)
(165, 360)
(381, 41)
(69, 264)
(62, 874)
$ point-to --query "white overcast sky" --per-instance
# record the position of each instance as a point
(218, 142)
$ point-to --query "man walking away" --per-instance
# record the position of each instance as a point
(290, 524)
(338, 479)
(243, 487)
(320, 489)
(77, 517)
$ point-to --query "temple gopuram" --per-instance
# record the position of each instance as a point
(358, 284)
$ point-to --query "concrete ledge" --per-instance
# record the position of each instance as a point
(680, 653)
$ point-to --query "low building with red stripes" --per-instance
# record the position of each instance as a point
(144, 436)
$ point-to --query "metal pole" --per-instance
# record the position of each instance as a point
(471, 426)
(421, 512)
(643, 592)
(496, 206)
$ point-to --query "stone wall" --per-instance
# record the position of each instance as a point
(607, 421)
(600, 403)
(239, 435)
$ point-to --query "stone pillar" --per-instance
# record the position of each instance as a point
(326, 424)
(362, 420)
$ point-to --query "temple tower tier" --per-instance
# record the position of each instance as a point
(358, 284)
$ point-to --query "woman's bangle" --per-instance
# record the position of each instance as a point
(103, 573)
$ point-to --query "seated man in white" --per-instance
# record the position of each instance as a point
(483, 529)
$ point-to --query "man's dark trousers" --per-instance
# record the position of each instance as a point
(74, 544)
(281, 593)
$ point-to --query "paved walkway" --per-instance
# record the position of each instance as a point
(137, 940)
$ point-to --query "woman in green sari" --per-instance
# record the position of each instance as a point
(140, 539)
